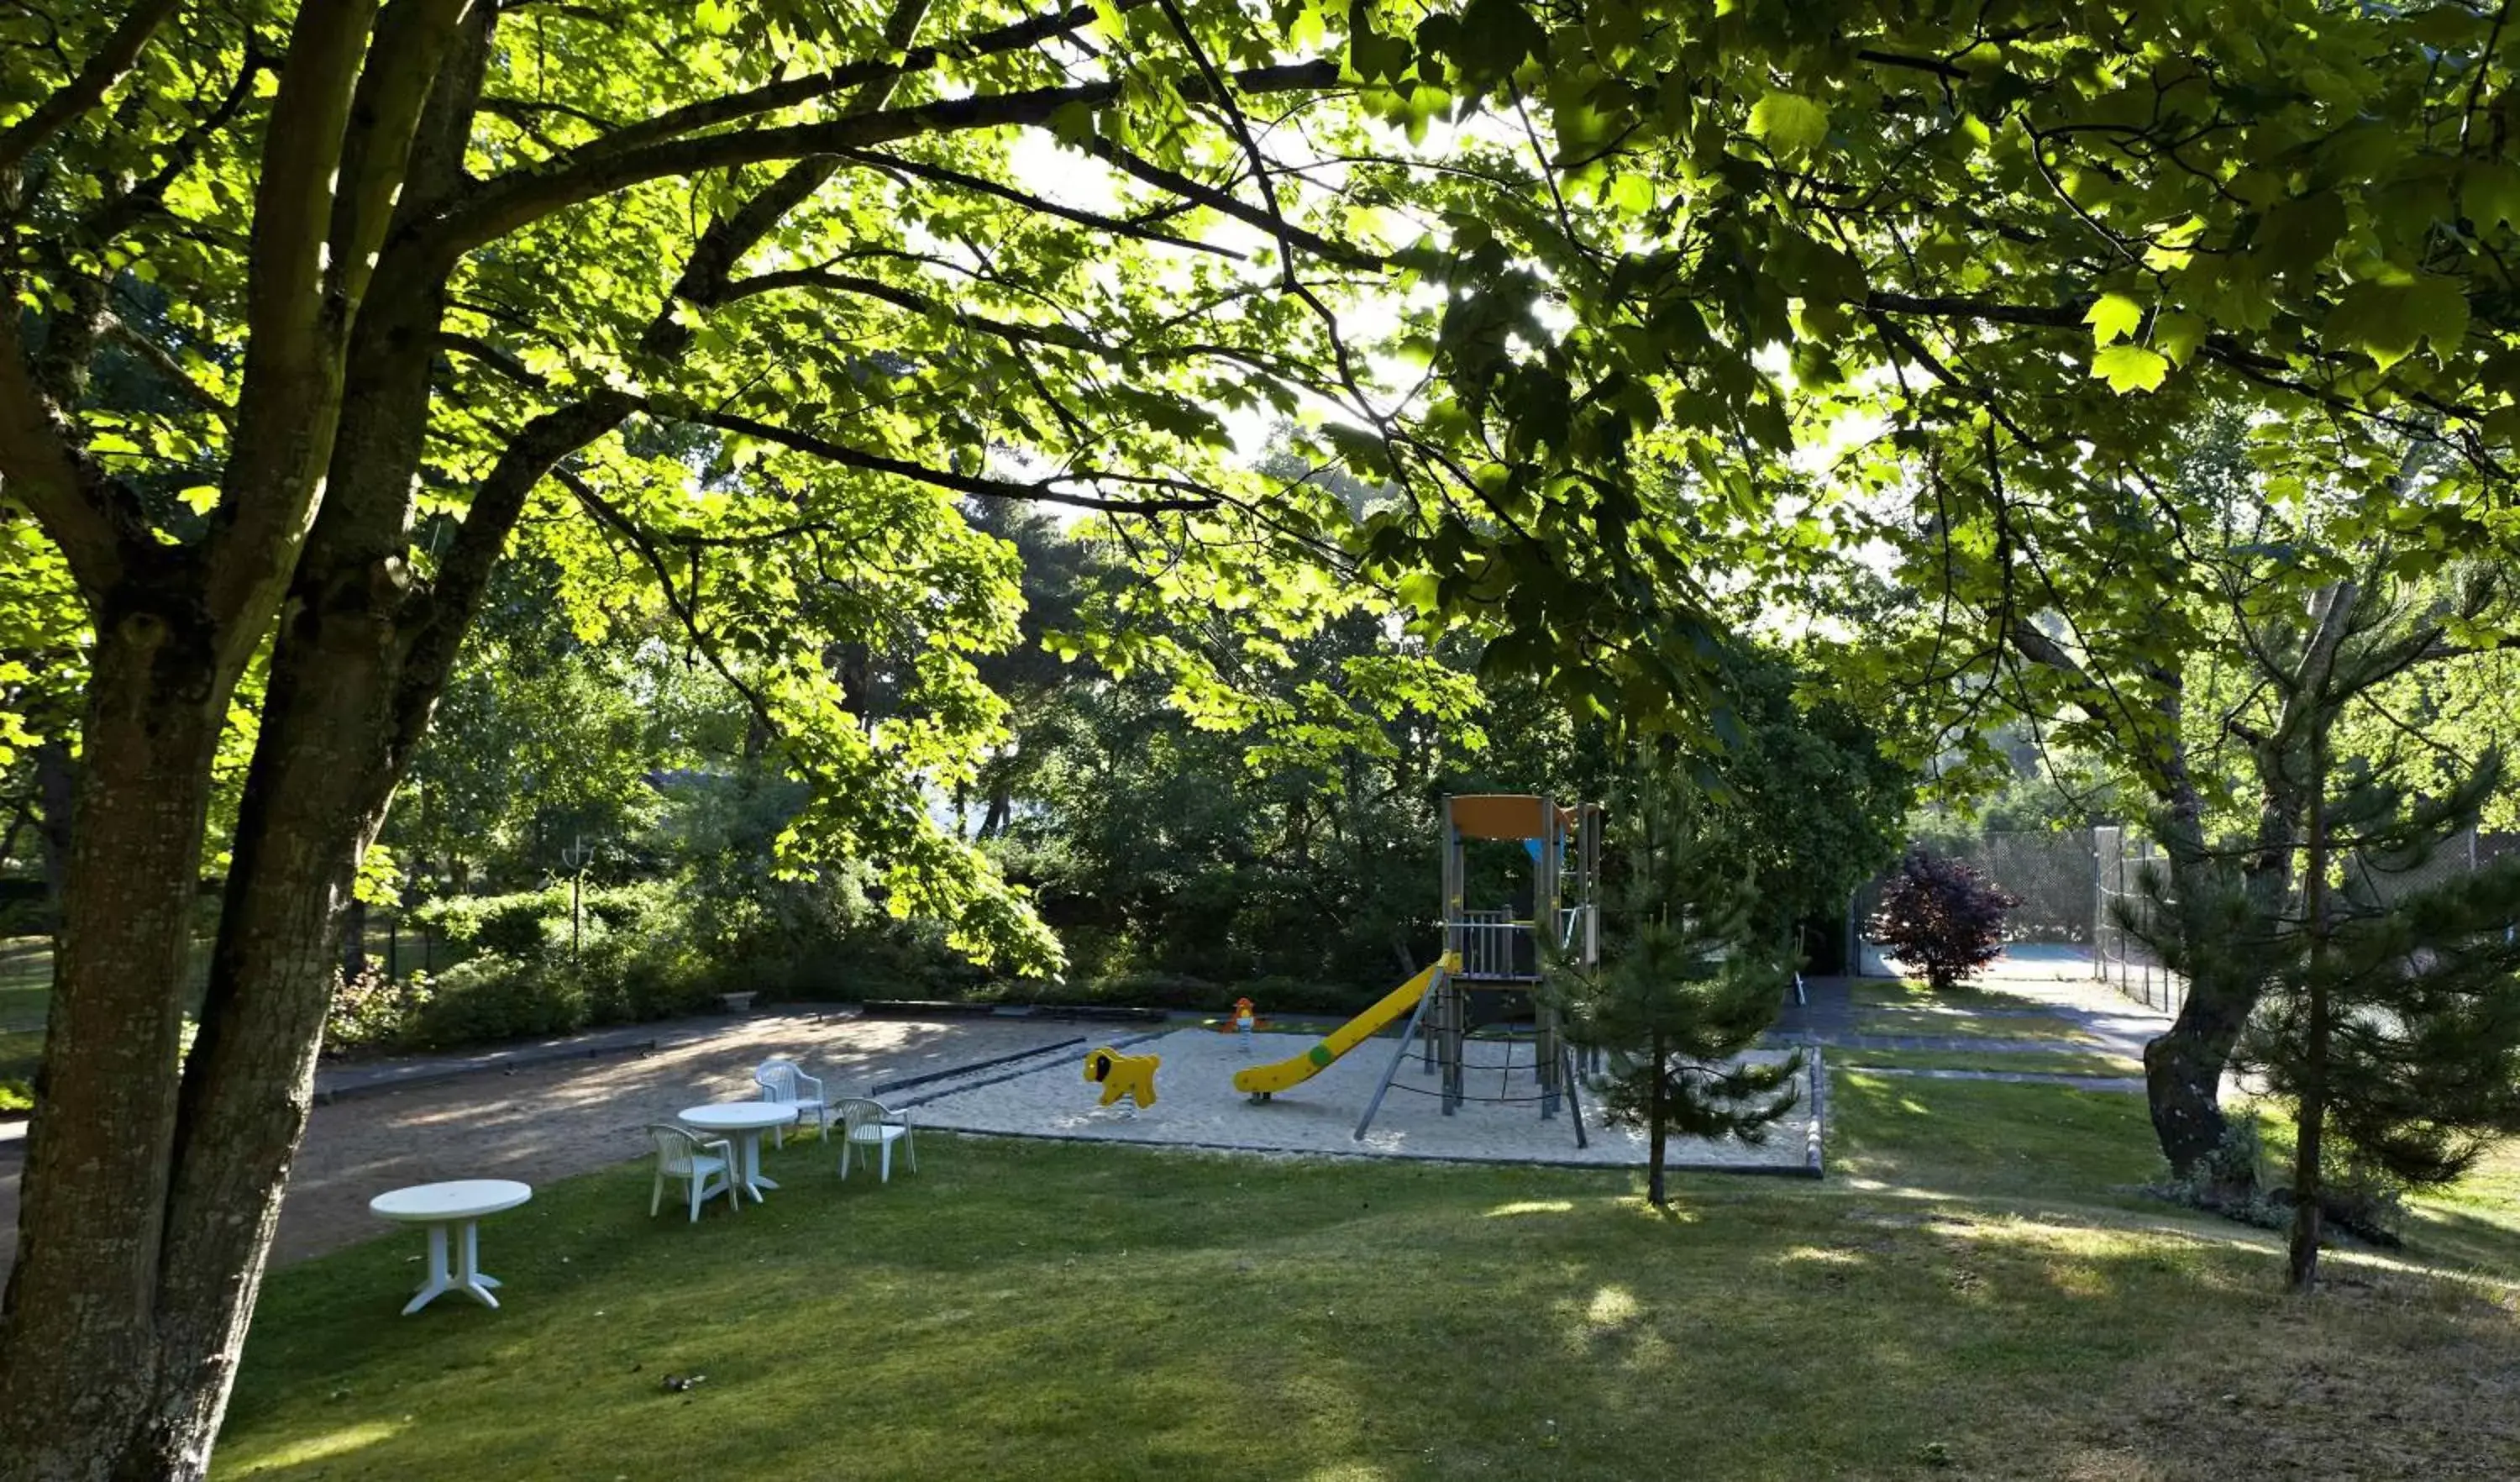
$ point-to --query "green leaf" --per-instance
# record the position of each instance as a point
(2491, 192)
(2178, 333)
(1789, 123)
(2386, 319)
(2113, 317)
(1632, 195)
(2437, 308)
(2130, 368)
(1071, 124)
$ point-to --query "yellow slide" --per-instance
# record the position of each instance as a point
(1261, 1080)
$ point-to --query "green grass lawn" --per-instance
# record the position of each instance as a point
(1973, 1025)
(1975, 1292)
(1912, 993)
(26, 978)
(2044, 1062)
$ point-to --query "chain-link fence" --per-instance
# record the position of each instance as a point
(2120, 955)
(2083, 889)
(2050, 873)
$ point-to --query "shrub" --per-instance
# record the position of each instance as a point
(1941, 916)
(516, 925)
(2354, 1195)
(493, 997)
(373, 1011)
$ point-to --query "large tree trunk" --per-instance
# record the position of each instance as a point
(79, 1334)
(318, 786)
(2310, 1120)
(56, 784)
(2182, 1069)
(326, 760)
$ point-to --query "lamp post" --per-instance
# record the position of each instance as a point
(577, 856)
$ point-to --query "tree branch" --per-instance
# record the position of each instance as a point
(167, 365)
(292, 328)
(455, 595)
(1224, 201)
(514, 201)
(88, 87)
(1038, 491)
(772, 97)
(940, 175)
(412, 40)
(90, 516)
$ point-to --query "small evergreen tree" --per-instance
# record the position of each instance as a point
(1940, 914)
(2391, 1016)
(1686, 984)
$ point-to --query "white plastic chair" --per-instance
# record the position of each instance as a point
(870, 1124)
(781, 1081)
(707, 1167)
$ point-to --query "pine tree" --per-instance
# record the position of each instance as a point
(2391, 1016)
(1684, 987)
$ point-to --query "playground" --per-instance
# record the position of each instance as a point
(1197, 1105)
(1465, 1062)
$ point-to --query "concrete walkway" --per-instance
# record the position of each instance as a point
(2106, 1024)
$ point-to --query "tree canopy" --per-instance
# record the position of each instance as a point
(727, 315)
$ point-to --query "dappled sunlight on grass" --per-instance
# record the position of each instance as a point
(1031, 1310)
(1826, 1255)
(1611, 1306)
(1531, 1206)
(323, 1447)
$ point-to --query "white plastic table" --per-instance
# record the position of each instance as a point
(745, 1122)
(440, 1206)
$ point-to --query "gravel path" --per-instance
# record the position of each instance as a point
(1196, 1106)
(552, 1121)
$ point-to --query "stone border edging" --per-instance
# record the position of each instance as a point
(489, 1061)
(955, 1071)
(949, 1008)
(1816, 1141)
(1044, 1051)
(2116, 1085)
(1810, 1170)
(1754, 1170)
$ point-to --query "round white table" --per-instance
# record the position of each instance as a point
(440, 1206)
(745, 1122)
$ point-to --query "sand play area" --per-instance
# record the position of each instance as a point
(1196, 1106)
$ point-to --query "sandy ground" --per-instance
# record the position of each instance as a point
(1197, 1104)
(552, 1121)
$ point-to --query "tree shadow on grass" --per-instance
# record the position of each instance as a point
(1019, 1309)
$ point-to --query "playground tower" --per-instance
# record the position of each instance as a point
(1493, 955)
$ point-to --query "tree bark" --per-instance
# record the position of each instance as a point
(1656, 1132)
(56, 783)
(326, 761)
(76, 1324)
(2311, 1119)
